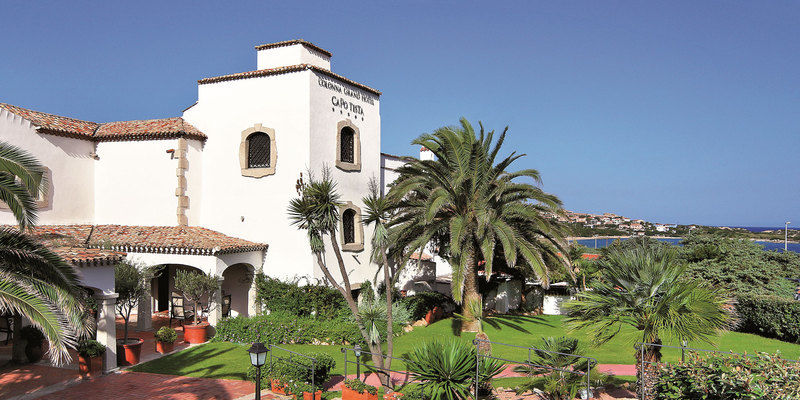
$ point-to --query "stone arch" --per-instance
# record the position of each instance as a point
(244, 152)
(351, 240)
(239, 283)
(348, 135)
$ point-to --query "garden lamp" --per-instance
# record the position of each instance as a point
(258, 356)
(357, 351)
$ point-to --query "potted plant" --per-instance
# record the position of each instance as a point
(354, 389)
(129, 282)
(34, 339)
(165, 339)
(90, 356)
(297, 388)
(196, 286)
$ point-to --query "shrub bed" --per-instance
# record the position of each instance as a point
(282, 327)
(289, 297)
(769, 316)
(289, 368)
(422, 302)
(719, 377)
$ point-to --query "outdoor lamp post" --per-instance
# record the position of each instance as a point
(258, 356)
(357, 351)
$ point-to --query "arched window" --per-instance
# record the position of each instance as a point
(349, 226)
(258, 149)
(351, 229)
(348, 145)
(258, 153)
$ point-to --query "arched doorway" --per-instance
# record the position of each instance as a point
(237, 285)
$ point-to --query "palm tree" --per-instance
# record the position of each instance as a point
(35, 283)
(317, 212)
(467, 195)
(642, 286)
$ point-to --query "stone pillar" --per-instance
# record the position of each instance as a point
(252, 307)
(144, 316)
(215, 305)
(107, 329)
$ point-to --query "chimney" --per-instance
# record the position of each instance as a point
(292, 52)
(425, 154)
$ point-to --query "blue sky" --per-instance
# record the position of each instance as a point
(685, 112)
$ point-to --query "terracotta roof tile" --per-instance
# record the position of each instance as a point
(86, 257)
(164, 128)
(425, 257)
(54, 123)
(145, 239)
(285, 70)
(149, 128)
(292, 42)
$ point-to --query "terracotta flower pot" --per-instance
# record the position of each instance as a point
(315, 396)
(194, 334)
(129, 353)
(277, 387)
(368, 396)
(392, 396)
(91, 365)
(350, 394)
(164, 348)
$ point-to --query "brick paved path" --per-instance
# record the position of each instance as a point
(142, 385)
(31, 378)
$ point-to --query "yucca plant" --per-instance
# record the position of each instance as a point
(556, 369)
(446, 370)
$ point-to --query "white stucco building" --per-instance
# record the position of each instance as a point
(209, 189)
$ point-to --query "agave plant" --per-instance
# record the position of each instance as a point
(446, 370)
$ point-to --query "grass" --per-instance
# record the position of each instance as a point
(230, 361)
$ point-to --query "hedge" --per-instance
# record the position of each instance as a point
(718, 377)
(419, 304)
(770, 316)
(309, 300)
(278, 328)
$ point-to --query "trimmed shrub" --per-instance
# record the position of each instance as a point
(287, 328)
(422, 302)
(289, 297)
(360, 387)
(291, 368)
(770, 316)
(166, 334)
(726, 377)
(90, 348)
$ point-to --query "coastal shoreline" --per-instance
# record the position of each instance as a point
(574, 238)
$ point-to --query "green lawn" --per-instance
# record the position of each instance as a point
(230, 361)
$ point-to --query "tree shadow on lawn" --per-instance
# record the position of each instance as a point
(194, 363)
(512, 321)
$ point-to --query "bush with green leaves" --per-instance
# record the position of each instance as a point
(729, 377)
(446, 370)
(131, 281)
(32, 336)
(290, 368)
(195, 287)
(360, 387)
(770, 316)
(420, 303)
(90, 348)
(557, 369)
(286, 328)
(373, 316)
(166, 334)
(317, 300)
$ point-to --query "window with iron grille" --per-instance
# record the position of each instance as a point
(258, 150)
(347, 150)
(349, 226)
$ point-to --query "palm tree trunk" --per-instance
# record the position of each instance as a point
(387, 284)
(374, 348)
(471, 294)
(647, 360)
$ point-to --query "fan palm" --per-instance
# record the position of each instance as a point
(642, 286)
(35, 283)
(471, 197)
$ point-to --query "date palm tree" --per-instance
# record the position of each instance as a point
(468, 194)
(642, 286)
(35, 283)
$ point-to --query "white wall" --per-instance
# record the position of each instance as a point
(389, 165)
(255, 208)
(135, 183)
(71, 197)
(194, 179)
(97, 277)
(351, 185)
(291, 55)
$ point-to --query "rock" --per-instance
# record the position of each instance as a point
(421, 322)
(408, 328)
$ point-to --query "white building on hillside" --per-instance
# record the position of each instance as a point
(209, 190)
